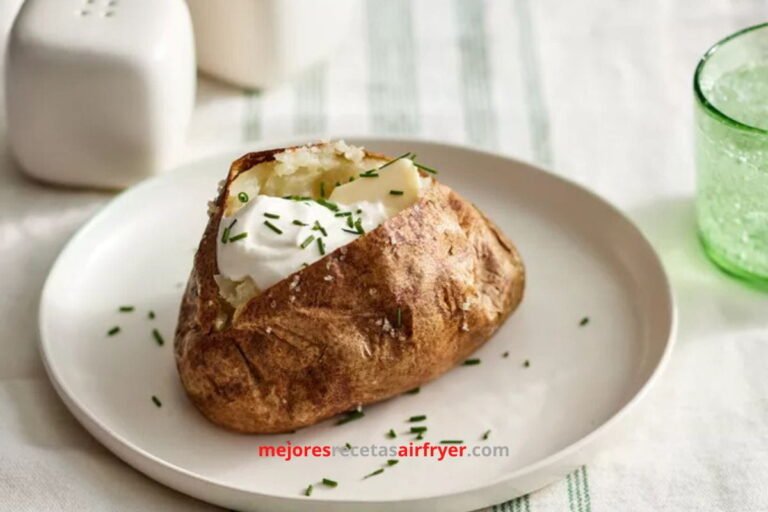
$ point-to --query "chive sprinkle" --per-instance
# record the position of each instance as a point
(328, 204)
(396, 192)
(351, 416)
(338, 183)
(471, 362)
(126, 309)
(242, 197)
(404, 155)
(414, 391)
(451, 441)
(359, 226)
(350, 222)
(420, 417)
(350, 231)
(158, 337)
(392, 462)
(273, 227)
(371, 175)
(308, 490)
(505, 354)
(418, 430)
(399, 322)
(486, 434)
(151, 315)
(299, 223)
(391, 434)
(351, 179)
(321, 246)
(225, 233)
(377, 472)
(420, 437)
(348, 446)
(342, 214)
(271, 215)
(425, 168)
(157, 401)
(526, 364)
(238, 237)
(584, 321)
(298, 198)
(113, 331)
(307, 241)
(322, 189)
(329, 483)
(320, 228)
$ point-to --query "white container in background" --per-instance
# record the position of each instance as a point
(258, 43)
(99, 93)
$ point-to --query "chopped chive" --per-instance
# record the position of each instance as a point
(351, 179)
(273, 227)
(307, 241)
(420, 437)
(298, 198)
(158, 337)
(396, 192)
(157, 401)
(238, 237)
(425, 168)
(151, 315)
(486, 434)
(404, 155)
(350, 231)
(420, 417)
(348, 446)
(471, 362)
(505, 354)
(351, 416)
(320, 228)
(126, 309)
(242, 197)
(225, 233)
(299, 223)
(399, 322)
(451, 441)
(391, 434)
(359, 226)
(359, 211)
(350, 222)
(392, 462)
(328, 204)
(342, 214)
(338, 184)
(372, 175)
(271, 215)
(308, 490)
(329, 483)
(322, 189)
(321, 246)
(377, 472)
(526, 364)
(414, 391)
(418, 430)
(584, 321)
(113, 331)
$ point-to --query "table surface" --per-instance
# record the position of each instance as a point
(597, 90)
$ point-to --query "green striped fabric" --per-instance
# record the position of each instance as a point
(450, 80)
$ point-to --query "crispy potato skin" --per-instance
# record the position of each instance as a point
(309, 348)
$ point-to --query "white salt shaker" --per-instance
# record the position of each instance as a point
(259, 43)
(99, 92)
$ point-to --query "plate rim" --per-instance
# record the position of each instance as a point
(106, 436)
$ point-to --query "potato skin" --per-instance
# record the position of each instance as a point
(314, 346)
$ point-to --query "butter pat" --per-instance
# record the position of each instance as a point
(396, 187)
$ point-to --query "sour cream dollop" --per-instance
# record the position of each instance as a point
(282, 234)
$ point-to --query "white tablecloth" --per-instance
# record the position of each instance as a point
(598, 90)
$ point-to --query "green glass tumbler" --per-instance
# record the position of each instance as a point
(731, 138)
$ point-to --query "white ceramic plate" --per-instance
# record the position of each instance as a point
(583, 258)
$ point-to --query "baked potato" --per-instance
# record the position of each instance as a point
(267, 344)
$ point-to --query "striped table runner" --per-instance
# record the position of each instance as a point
(461, 71)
